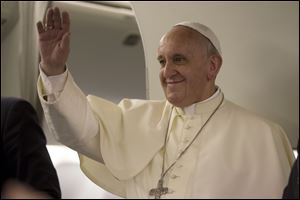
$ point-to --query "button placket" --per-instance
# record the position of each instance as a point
(177, 179)
(187, 131)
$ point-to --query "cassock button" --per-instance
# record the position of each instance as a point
(186, 140)
(179, 166)
(187, 127)
(174, 176)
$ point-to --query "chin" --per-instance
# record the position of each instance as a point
(175, 98)
(175, 102)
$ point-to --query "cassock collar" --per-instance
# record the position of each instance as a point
(204, 106)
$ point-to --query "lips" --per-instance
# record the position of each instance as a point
(174, 82)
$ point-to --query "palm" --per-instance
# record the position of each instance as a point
(54, 41)
(51, 48)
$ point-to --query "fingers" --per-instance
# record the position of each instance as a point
(49, 19)
(40, 27)
(57, 19)
(65, 21)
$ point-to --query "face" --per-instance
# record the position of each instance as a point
(187, 72)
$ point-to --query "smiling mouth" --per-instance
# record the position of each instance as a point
(174, 82)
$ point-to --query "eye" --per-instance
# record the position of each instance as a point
(179, 59)
(162, 62)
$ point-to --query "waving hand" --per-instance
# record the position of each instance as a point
(54, 41)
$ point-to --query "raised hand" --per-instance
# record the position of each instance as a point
(54, 41)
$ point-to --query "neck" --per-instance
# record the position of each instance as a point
(210, 92)
(206, 96)
(192, 108)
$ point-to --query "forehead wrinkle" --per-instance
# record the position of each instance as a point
(182, 33)
(173, 53)
(186, 51)
(184, 36)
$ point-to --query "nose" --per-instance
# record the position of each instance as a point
(169, 70)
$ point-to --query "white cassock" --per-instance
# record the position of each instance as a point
(237, 155)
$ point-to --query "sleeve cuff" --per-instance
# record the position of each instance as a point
(53, 85)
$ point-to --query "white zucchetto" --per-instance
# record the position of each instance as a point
(205, 31)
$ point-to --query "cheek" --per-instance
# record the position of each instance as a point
(161, 77)
(196, 81)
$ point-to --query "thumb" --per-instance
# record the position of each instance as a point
(65, 40)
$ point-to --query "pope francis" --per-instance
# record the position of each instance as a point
(194, 144)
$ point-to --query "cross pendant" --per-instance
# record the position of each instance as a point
(160, 190)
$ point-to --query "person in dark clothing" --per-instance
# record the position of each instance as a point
(25, 161)
(291, 191)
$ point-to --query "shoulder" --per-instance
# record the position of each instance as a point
(10, 103)
(126, 104)
(128, 108)
(253, 126)
(11, 106)
(129, 104)
(251, 118)
(149, 110)
(16, 112)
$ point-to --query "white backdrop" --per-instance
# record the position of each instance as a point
(260, 45)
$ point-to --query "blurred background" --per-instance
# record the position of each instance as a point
(117, 42)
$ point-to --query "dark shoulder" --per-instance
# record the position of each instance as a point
(9, 103)
(13, 108)
(14, 104)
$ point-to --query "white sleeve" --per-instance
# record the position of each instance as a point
(53, 85)
(68, 114)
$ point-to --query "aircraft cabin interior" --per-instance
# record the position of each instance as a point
(113, 55)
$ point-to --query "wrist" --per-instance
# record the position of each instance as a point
(52, 71)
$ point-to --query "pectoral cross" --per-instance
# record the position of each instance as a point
(160, 190)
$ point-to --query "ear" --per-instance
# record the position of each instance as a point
(215, 62)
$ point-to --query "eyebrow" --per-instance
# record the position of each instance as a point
(174, 55)
(159, 57)
(178, 55)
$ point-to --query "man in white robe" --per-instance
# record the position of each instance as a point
(197, 143)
